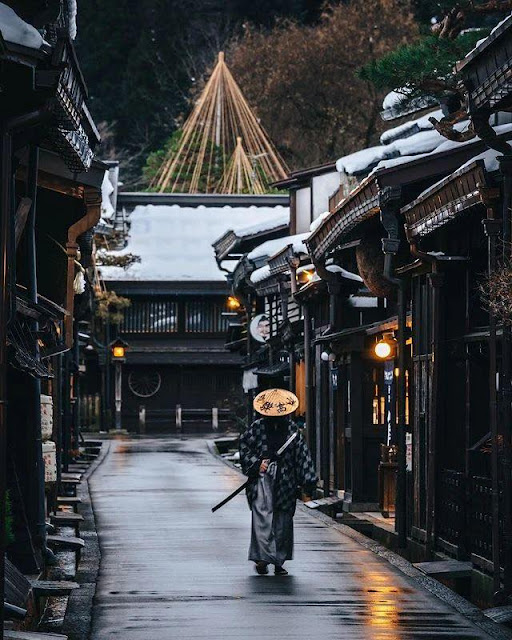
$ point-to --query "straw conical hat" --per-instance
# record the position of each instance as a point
(275, 402)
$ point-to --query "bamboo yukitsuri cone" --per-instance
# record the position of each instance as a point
(223, 148)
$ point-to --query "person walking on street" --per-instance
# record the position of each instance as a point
(275, 458)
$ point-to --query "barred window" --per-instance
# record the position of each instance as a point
(205, 316)
(151, 316)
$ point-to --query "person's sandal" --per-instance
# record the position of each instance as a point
(261, 568)
(280, 571)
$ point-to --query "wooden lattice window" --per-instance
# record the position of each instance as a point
(205, 316)
(151, 316)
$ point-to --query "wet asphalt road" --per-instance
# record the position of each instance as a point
(170, 569)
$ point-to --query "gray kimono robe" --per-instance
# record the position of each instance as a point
(272, 495)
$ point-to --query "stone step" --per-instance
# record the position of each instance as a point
(53, 587)
(63, 518)
(501, 615)
(445, 568)
(69, 500)
(66, 542)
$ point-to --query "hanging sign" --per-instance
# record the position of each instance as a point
(408, 451)
(260, 327)
(334, 378)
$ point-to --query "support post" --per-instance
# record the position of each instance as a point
(308, 378)
(35, 436)
(142, 419)
(506, 387)
(118, 386)
(389, 201)
(436, 282)
(491, 228)
(5, 232)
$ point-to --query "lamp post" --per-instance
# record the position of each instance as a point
(118, 351)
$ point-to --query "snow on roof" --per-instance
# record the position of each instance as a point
(447, 145)
(174, 243)
(349, 275)
(411, 127)
(267, 223)
(271, 247)
(395, 97)
(482, 40)
(15, 30)
(490, 158)
(317, 222)
(260, 274)
(360, 160)
(421, 142)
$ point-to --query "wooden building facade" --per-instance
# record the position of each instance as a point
(178, 376)
(384, 327)
(50, 201)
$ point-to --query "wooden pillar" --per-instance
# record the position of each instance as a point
(356, 426)
(435, 282)
(506, 387)
(492, 227)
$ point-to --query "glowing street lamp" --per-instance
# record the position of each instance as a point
(233, 303)
(118, 351)
(385, 348)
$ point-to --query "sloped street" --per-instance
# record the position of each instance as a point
(172, 569)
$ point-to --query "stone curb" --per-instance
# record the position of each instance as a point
(78, 618)
(460, 604)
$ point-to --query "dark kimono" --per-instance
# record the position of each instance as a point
(272, 495)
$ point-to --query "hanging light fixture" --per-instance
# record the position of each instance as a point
(385, 348)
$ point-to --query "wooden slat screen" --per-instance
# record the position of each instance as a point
(204, 316)
(151, 316)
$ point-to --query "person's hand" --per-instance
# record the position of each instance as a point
(264, 466)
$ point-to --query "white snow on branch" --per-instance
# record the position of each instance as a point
(410, 128)
(15, 30)
(396, 97)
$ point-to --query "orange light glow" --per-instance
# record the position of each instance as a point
(233, 303)
(383, 349)
(118, 352)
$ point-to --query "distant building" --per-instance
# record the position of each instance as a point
(177, 367)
